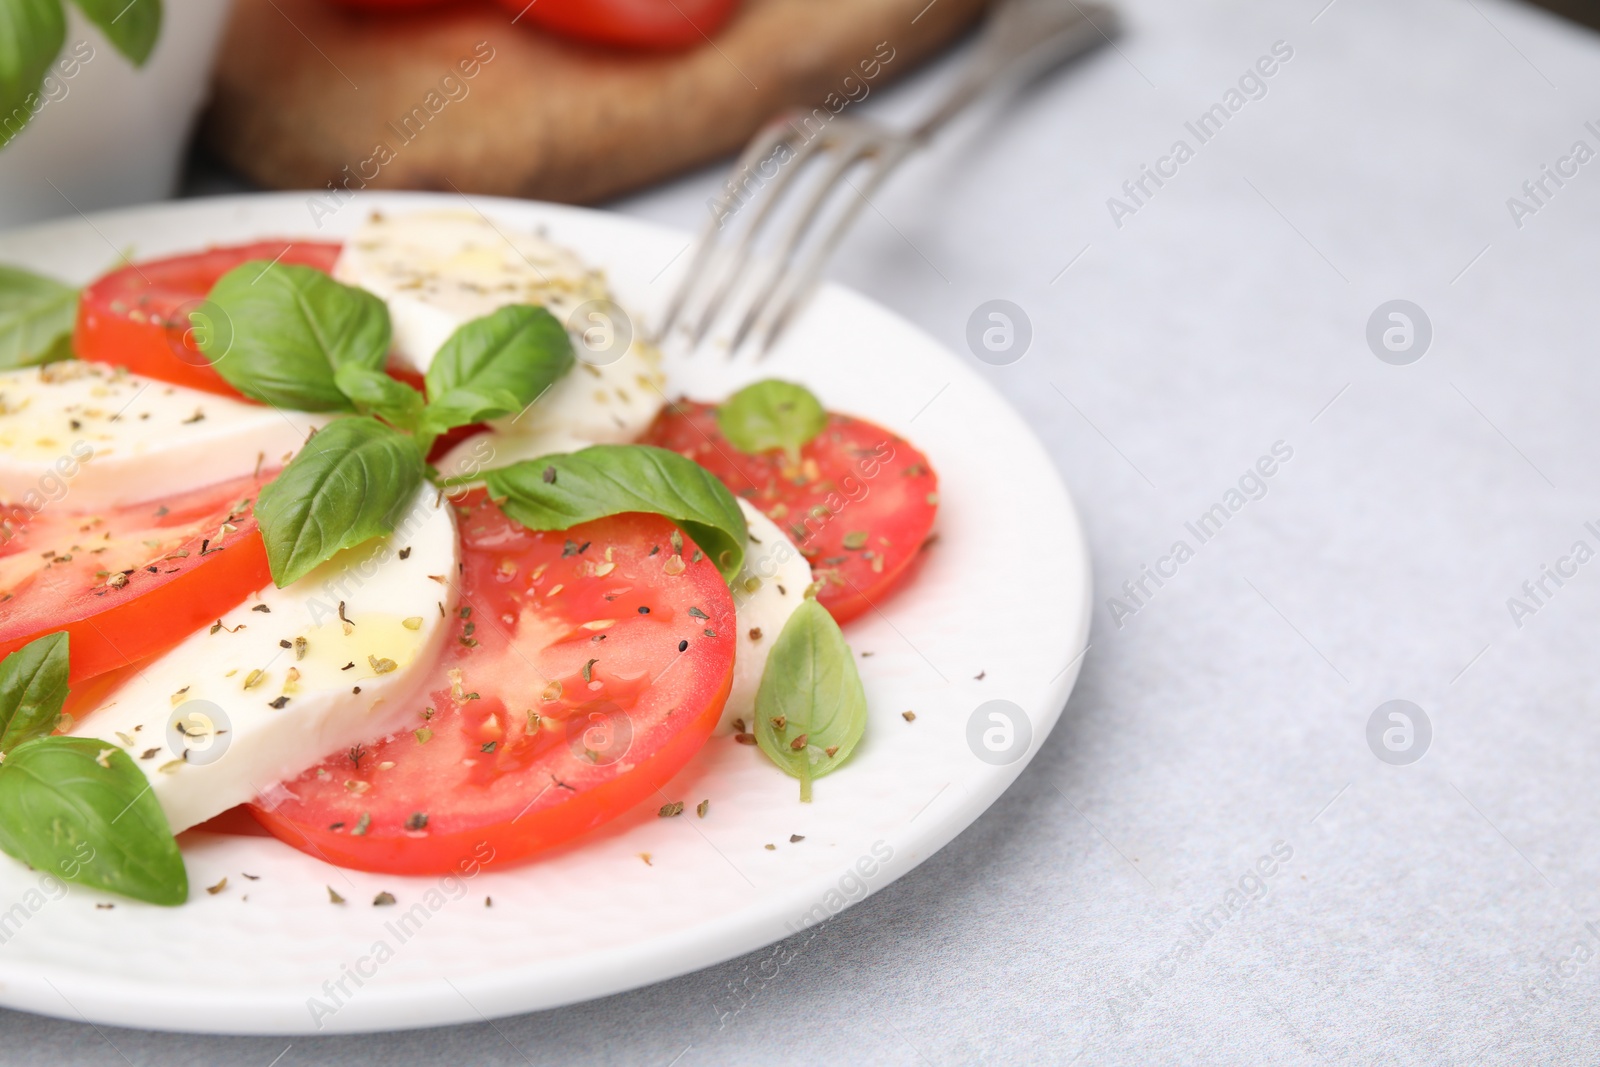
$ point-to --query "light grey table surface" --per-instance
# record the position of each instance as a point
(1436, 912)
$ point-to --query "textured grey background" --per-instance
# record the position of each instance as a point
(1432, 913)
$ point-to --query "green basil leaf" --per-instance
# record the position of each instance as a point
(36, 314)
(375, 393)
(132, 26)
(559, 492)
(810, 685)
(771, 414)
(278, 332)
(81, 808)
(496, 366)
(31, 35)
(349, 484)
(33, 687)
(60, 349)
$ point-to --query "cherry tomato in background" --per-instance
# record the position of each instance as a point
(391, 5)
(651, 25)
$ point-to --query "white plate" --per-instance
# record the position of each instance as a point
(999, 610)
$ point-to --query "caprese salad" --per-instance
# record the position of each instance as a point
(372, 540)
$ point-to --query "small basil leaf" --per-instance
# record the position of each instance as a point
(771, 414)
(132, 26)
(810, 687)
(496, 366)
(31, 35)
(278, 332)
(33, 687)
(559, 492)
(36, 315)
(81, 808)
(375, 393)
(349, 484)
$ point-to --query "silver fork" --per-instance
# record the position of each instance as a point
(1021, 39)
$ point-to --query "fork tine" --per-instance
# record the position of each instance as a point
(864, 145)
(800, 281)
(729, 272)
(1020, 36)
(763, 144)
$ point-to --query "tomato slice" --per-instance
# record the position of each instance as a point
(644, 24)
(588, 667)
(138, 317)
(859, 504)
(128, 582)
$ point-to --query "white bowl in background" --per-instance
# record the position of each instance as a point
(111, 133)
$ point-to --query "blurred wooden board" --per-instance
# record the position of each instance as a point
(1584, 11)
(464, 99)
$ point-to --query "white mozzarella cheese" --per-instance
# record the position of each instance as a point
(611, 404)
(439, 270)
(600, 402)
(768, 590)
(486, 451)
(292, 675)
(106, 438)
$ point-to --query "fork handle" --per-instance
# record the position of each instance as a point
(1022, 39)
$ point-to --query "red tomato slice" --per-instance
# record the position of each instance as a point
(859, 504)
(585, 674)
(645, 24)
(129, 582)
(138, 317)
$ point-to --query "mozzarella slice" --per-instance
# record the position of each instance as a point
(768, 590)
(592, 405)
(602, 403)
(439, 270)
(340, 657)
(486, 451)
(105, 438)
